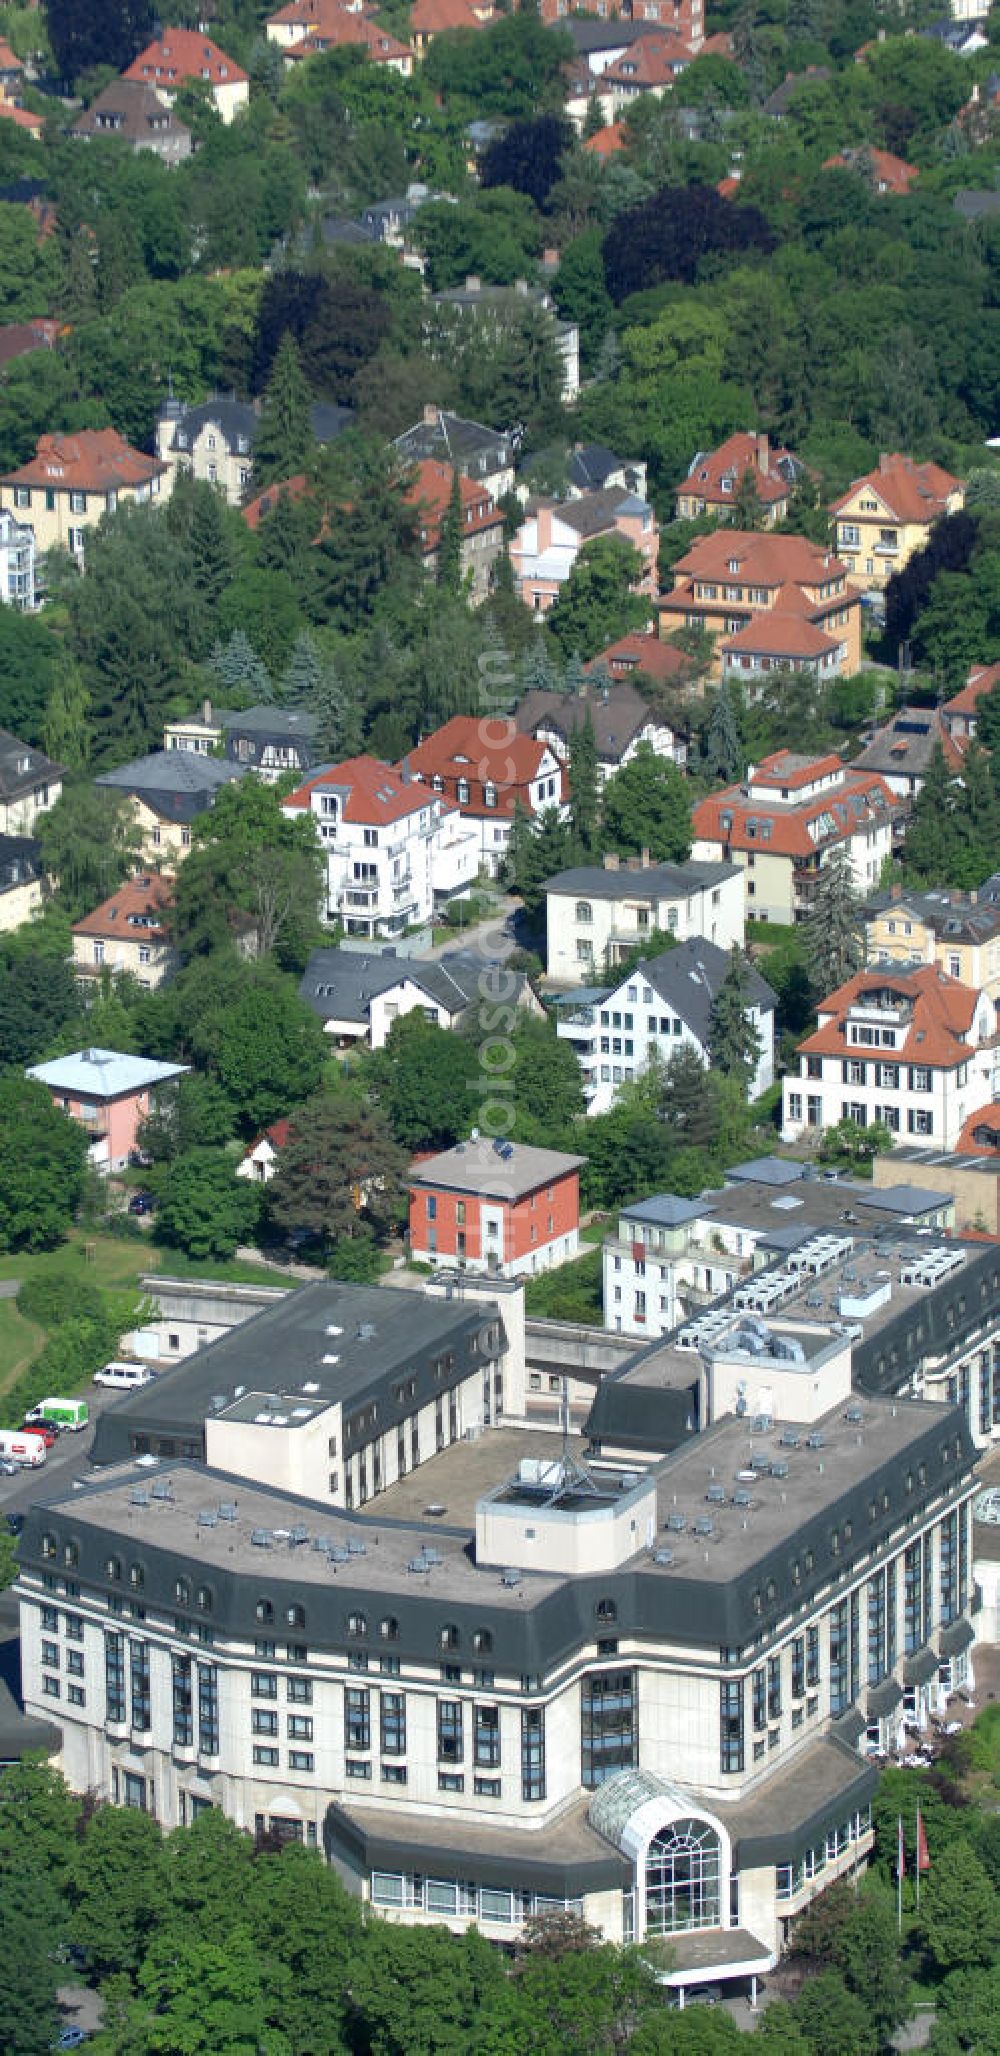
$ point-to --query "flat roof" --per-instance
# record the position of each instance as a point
(787, 1214)
(321, 1345)
(504, 1171)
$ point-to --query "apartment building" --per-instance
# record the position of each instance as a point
(166, 792)
(17, 563)
(887, 515)
(23, 884)
(636, 1695)
(500, 1207)
(785, 821)
(72, 480)
(487, 771)
(486, 456)
(596, 914)
(30, 783)
(481, 532)
(911, 1050)
(664, 1004)
(391, 846)
(109, 1093)
(958, 931)
(769, 602)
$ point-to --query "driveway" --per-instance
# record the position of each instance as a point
(491, 936)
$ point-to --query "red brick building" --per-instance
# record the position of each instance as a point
(494, 1206)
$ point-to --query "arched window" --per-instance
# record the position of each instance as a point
(357, 1624)
(50, 1548)
(606, 1610)
(136, 1576)
(112, 1566)
(584, 910)
(450, 1637)
(389, 1628)
(682, 1878)
(265, 1611)
(182, 1592)
(71, 1553)
(203, 1599)
(295, 1617)
(482, 1641)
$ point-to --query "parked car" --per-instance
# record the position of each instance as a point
(141, 1203)
(71, 2038)
(45, 1429)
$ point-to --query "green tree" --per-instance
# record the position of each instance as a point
(539, 847)
(247, 859)
(203, 1998)
(340, 1172)
(598, 601)
(834, 2021)
(584, 784)
(271, 1048)
(108, 32)
(43, 1156)
(240, 670)
(867, 1955)
(735, 1044)
(721, 754)
(423, 1080)
(546, 1083)
(39, 998)
(66, 728)
(284, 441)
(647, 806)
(959, 1911)
(90, 844)
(449, 565)
(115, 1884)
(204, 1208)
(834, 928)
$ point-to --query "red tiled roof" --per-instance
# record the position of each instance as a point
(652, 60)
(277, 1135)
(463, 749)
(859, 798)
(790, 773)
(763, 559)
(18, 337)
(22, 117)
(912, 492)
(347, 28)
(433, 17)
(606, 142)
(135, 910)
(943, 1012)
(892, 172)
(312, 14)
(986, 1119)
(740, 453)
(94, 459)
(179, 54)
(8, 60)
(377, 794)
(778, 632)
(257, 510)
(430, 494)
(982, 679)
(727, 188)
(642, 651)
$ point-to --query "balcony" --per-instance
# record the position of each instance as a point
(358, 898)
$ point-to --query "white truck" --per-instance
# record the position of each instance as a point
(73, 1414)
(19, 1445)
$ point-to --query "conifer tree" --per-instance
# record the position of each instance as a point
(574, 676)
(301, 681)
(66, 730)
(584, 783)
(538, 672)
(722, 753)
(449, 565)
(284, 441)
(734, 1042)
(834, 930)
(239, 669)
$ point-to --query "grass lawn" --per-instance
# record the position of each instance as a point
(20, 1340)
(597, 1230)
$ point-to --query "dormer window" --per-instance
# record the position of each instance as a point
(733, 564)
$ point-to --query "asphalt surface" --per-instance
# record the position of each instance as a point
(67, 1459)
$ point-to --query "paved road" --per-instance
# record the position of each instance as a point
(494, 935)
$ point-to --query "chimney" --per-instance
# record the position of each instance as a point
(884, 462)
(432, 415)
(521, 286)
(763, 455)
(206, 712)
(896, 891)
(473, 284)
(645, 860)
(633, 864)
(610, 860)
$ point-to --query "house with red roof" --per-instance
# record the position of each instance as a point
(980, 1135)
(686, 18)
(960, 713)
(715, 476)
(430, 18)
(73, 479)
(430, 493)
(393, 848)
(769, 603)
(305, 28)
(910, 1050)
(885, 517)
(33, 124)
(902, 751)
(641, 650)
(486, 769)
(129, 934)
(259, 1161)
(185, 57)
(784, 823)
(607, 141)
(649, 66)
(884, 172)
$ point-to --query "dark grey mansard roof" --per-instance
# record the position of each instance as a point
(688, 978)
(649, 882)
(312, 1337)
(340, 984)
(731, 1590)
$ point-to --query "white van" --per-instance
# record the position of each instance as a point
(123, 1377)
(21, 1446)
